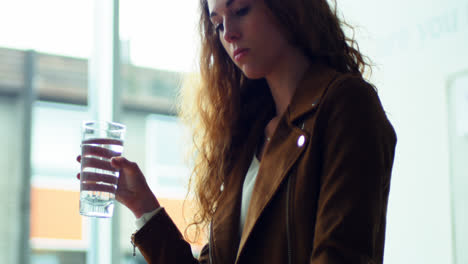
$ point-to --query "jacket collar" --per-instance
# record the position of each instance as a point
(310, 90)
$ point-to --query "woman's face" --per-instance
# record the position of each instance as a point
(249, 34)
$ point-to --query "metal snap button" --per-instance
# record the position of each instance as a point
(301, 141)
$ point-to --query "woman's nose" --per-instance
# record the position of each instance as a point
(231, 32)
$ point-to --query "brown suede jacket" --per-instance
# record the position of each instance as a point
(321, 192)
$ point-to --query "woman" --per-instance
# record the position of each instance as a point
(293, 149)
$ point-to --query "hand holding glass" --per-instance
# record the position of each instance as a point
(101, 141)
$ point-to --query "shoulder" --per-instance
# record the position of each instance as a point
(327, 91)
(350, 93)
(350, 87)
(349, 104)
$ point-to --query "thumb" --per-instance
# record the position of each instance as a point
(125, 165)
(119, 162)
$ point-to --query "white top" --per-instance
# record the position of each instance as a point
(247, 189)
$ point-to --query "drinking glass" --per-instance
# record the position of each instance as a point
(101, 140)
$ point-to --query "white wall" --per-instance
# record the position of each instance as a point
(458, 134)
(418, 45)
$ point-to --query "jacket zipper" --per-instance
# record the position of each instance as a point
(133, 243)
(210, 243)
(288, 231)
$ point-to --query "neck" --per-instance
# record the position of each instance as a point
(284, 78)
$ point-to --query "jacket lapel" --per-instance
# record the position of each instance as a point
(273, 169)
(286, 145)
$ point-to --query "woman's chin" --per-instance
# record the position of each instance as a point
(252, 74)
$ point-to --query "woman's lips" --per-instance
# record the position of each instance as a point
(240, 53)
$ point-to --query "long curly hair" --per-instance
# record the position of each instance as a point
(219, 106)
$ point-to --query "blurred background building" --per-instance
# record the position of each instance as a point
(421, 72)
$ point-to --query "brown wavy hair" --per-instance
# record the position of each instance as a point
(218, 108)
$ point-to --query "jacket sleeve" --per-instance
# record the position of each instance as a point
(159, 241)
(358, 151)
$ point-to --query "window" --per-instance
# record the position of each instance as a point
(167, 171)
(58, 232)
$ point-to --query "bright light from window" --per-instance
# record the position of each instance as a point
(156, 34)
(161, 34)
(50, 26)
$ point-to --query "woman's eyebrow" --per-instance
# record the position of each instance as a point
(228, 3)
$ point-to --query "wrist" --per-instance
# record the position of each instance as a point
(147, 204)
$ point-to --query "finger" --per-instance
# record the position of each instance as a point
(99, 151)
(103, 141)
(100, 187)
(78, 176)
(96, 163)
(99, 177)
(78, 158)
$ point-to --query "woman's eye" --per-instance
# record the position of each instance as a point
(243, 11)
